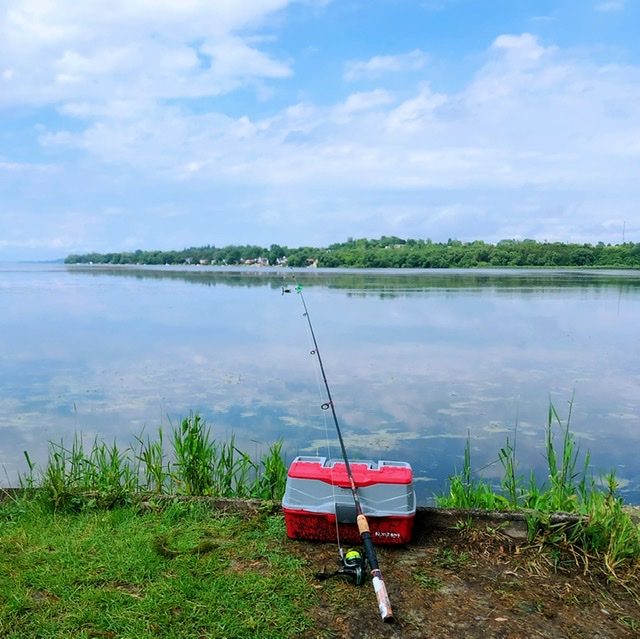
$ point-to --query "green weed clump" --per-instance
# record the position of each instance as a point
(195, 464)
(604, 531)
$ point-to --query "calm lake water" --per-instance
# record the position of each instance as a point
(417, 362)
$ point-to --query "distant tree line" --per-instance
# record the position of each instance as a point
(390, 252)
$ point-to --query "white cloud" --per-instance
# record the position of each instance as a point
(520, 48)
(532, 115)
(367, 100)
(30, 168)
(60, 51)
(383, 65)
(11, 166)
(232, 57)
(612, 5)
(411, 116)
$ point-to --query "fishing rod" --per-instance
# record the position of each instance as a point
(379, 586)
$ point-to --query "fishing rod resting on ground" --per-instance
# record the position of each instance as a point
(363, 526)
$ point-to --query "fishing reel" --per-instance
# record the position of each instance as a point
(353, 566)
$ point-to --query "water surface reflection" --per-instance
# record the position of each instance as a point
(417, 361)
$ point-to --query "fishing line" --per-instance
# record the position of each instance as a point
(324, 406)
(363, 526)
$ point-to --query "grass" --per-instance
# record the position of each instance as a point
(427, 581)
(605, 534)
(195, 464)
(178, 571)
(451, 560)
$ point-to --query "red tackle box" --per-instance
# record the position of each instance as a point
(318, 493)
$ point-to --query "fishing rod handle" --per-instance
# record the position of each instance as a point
(384, 605)
(381, 595)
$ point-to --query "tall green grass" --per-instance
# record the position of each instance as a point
(605, 530)
(569, 488)
(195, 463)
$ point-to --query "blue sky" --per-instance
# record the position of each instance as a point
(163, 124)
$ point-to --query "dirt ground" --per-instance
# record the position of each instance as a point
(451, 584)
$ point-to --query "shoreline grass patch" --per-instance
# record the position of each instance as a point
(605, 535)
(100, 573)
(194, 464)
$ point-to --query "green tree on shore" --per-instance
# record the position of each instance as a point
(391, 252)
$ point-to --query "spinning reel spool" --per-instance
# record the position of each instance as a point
(353, 565)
